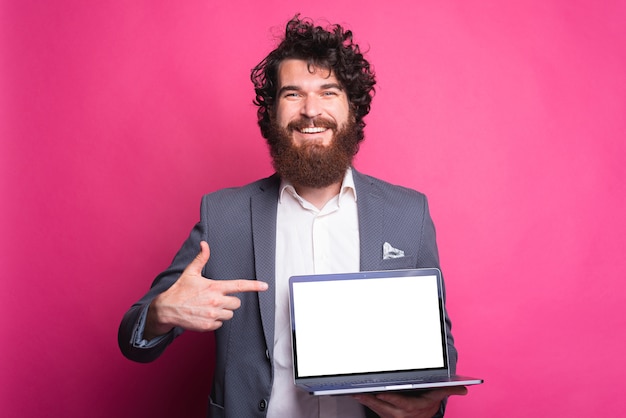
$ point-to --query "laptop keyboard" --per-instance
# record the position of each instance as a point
(376, 381)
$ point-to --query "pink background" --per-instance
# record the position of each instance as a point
(115, 117)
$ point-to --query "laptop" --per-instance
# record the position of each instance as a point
(370, 332)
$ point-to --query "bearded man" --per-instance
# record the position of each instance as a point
(316, 214)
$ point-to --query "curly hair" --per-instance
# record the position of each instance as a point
(329, 48)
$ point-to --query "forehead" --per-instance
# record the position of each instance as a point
(300, 73)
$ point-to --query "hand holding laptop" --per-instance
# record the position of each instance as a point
(415, 405)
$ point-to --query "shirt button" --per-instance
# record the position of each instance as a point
(267, 354)
(262, 405)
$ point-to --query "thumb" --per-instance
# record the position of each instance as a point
(201, 259)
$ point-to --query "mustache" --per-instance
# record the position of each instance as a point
(302, 123)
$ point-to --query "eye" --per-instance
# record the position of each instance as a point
(291, 95)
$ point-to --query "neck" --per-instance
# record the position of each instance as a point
(319, 196)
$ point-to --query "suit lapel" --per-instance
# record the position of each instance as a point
(263, 209)
(371, 211)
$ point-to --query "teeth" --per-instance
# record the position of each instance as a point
(312, 130)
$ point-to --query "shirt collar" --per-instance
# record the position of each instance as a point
(347, 187)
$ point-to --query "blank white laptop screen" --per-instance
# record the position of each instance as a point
(367, 325)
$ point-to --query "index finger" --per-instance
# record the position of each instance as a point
(242, 285)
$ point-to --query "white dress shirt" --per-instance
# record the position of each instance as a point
(310, 241)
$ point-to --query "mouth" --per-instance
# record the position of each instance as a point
(311, 127)
(312, 130)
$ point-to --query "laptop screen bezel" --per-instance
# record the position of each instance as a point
(371, 275)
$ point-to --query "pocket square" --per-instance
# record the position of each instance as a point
(389, 252)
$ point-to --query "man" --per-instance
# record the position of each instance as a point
(316, 215)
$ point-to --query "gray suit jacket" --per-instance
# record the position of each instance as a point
(240, 226)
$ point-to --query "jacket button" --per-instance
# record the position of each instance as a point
(262, 405)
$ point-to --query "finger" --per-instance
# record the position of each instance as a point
(372, 402)
(428, 395)
(242, 285)
(439, 394)
(198, 263)
(231, 303)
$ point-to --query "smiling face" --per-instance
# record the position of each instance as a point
(312, 136)
(310, 103)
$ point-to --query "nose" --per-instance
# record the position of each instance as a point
(311, 106)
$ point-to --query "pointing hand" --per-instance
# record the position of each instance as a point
(196, 303)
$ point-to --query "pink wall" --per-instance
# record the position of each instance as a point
(116, 116)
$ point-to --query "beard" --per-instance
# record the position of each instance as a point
(313, 164)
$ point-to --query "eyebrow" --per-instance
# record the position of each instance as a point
(322, 87)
